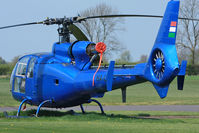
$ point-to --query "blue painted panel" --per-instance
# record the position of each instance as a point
(165, 44)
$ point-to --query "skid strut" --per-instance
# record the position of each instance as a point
(19, 110)
(82, 109)
(93, 100)
(38, 109)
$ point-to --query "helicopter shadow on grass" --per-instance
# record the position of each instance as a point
(52, 113)
(91, 116)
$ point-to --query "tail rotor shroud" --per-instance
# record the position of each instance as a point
(158, 62)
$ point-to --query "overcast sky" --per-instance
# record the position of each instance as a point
(138, 37)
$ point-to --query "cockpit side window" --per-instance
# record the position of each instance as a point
(21, 67)
(31, 67)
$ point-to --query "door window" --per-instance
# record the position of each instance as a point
(19, 84)
(31, 67)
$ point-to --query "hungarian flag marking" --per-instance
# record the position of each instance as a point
(172, 29)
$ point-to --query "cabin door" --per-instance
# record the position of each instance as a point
(31, 89)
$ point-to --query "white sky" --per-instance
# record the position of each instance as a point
(138, 37)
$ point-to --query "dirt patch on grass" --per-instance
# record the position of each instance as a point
(167, 117)
(4, 76)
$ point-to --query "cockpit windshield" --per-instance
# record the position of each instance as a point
(22, 71)
(19, 79)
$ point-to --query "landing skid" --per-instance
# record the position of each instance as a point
(47, 101)
(38, 109)
(93, 100)
(19, 110)
(14, 116)
(20, 106)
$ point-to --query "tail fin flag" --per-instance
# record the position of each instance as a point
(168, 28)
(163, 66)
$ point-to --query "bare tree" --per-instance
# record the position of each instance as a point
(143, 58)
(2, 61)
(188, 31)
(126, 56)
(103, 29)
(15, 60)
(184, 54)
(197, 56)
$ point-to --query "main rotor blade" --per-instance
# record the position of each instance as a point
(123, 15)
(17, 25)
(79, 19)
(80, 36)
(132, 15)
(193, 19)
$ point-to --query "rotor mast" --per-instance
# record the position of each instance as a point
(64, 34)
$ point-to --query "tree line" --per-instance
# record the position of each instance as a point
(7, 67)
(106, 30)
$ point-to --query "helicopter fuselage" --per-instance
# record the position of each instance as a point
(54, 76)
(66, 77)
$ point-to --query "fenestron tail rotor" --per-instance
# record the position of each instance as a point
(158, 63)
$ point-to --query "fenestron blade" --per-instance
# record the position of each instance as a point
(156, 55)
(155, 71)
(162, 56)
(159, 54)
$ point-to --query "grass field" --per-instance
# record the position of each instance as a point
(141, 94)
(128, 122)
(120, 122)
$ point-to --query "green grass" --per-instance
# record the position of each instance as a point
(141, 94)
(128, 122)
(145, 94)
(5, 94)
(120, 122)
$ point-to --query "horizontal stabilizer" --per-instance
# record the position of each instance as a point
(161, 90)
(109, 77)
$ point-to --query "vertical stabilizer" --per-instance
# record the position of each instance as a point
(163, 66)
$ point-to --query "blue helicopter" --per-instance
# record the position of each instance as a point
(66, 77)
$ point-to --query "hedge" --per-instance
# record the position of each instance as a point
(5, 69)
(192, 70)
